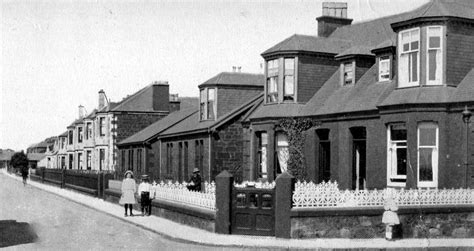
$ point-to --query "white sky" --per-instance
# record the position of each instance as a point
(57, 55)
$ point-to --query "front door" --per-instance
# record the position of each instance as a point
(358, 158)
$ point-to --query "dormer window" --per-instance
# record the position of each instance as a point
(434, 68)
(207, 104)
(409, 60)
(348, 73)
(384, 68)
(272, 81)
(282, 81)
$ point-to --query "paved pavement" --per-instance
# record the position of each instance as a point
(175, 232)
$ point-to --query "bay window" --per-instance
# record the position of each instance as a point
(272, 81)
(289, 80)
(397, 154)
(102, 126)
(89, 160)
(79, 135)
(207, 104)
(434, 55)
(409, 60)
(427, 155)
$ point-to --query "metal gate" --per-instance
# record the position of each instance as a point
(253, 211)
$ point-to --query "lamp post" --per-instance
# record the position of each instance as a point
(466, 117)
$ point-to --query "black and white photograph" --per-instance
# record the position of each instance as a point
(237, 125)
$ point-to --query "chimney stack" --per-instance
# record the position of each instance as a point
(81, 111)
(175, 104)
(101, 99)
(161, 96)
(334, 16)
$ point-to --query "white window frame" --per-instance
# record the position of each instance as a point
(273, 76)
(401, 80)
(390, 168)
(385, 59)
(343, 72)
(286, 74)
(204, 103)
(439, 65)
(435, 155)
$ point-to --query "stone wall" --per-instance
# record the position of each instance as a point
(440, 222)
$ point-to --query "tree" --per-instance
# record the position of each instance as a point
(20, 161)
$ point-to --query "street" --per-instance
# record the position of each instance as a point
(61, 224)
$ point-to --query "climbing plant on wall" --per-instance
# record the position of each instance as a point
(295, 130)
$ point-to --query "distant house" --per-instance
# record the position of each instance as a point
(90, 141)
(210, 137)
(5, 157)
(387, 95)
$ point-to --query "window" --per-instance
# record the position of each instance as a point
(71, 161)
(79, 161)
(71, 137)
(272, 81)
(324, 155)
(282, 153)
(199, 154)
(185, 160)
(397, 155)
(63, 162)
(169, 157)
(427, 155)
(89, 160)
(139, 160)
(262, 155)
(289, 80)
(79, 134)
(102, 126)
(88, 130)
(130, 160)
(348, 73)
(63, 143)
(211, 97)
(208, 104)
(202, 98)
(101, 159)
(384, 68)
(434, 55)
(409, 61)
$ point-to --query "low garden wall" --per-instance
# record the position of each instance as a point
(423, 222)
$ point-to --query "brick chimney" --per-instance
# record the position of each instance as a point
(101, 99)
(334, 16)
(161, 95)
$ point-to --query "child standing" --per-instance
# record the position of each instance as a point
(129, 188)
(390, 216)
(144, 190)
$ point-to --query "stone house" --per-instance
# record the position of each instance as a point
(90, 141)
(210, 137)
(387, 95)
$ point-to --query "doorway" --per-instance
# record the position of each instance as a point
(359, 153)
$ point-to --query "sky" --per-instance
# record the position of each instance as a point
(57, 55)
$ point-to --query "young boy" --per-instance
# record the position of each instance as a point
(144, 190)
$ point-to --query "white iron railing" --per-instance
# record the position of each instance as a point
(328, 195)
(256, 184)
(178, 192)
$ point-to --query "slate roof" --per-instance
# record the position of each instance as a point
(192, 124)
(356, 50)
(64, 134)
(304, 43)
(158, 127)
(6, 155)
(465, 90)
(235, 79)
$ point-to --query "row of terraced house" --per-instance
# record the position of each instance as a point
(390, 98)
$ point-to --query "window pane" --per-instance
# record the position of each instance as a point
(406, 47)
(427, 136)
(434, 42)
(264, 138)
(432, 56)
(210, 110)
(401, 161)
(414, 63)
(398, 132)
(426, 164)
(414, 45)
(289, 66)
(289, 85)
(282, 139)
(211, 94)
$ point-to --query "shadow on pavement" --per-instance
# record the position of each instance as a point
(15, 233)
